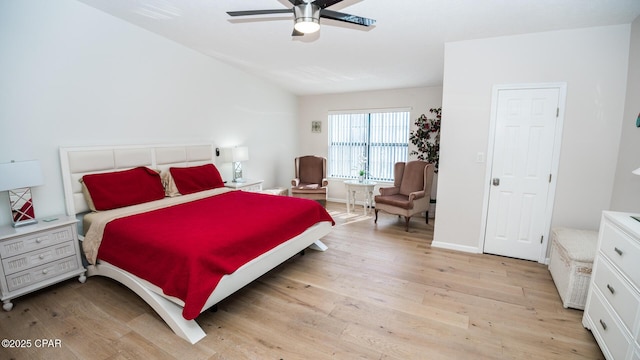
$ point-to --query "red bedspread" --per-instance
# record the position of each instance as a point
(186, 249)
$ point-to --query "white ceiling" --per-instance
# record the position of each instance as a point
(404, 49)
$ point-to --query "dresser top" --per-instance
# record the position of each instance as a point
(625, 221)
(8, 231)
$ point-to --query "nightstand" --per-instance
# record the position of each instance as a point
(247, 185)
(38, 255)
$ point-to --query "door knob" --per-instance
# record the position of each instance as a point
(496, 181)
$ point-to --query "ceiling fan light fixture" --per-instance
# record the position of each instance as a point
(307, 26)
(307, 18)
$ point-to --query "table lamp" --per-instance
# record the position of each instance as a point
(17, 177)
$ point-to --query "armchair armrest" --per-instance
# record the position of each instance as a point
(325, 182)
(295, 182)
(416, 195)
(389, 190)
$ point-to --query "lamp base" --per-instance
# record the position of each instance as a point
(237, 172)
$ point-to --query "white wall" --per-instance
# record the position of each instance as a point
(593, 63)
(626, 189)
(317, 107)
(71, 75)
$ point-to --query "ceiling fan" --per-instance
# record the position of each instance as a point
(307, 14)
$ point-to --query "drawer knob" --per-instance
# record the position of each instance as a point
(45, 271)
(618, 251)
(604, 324)
(611, 289)
(39, 240)
(41, 256)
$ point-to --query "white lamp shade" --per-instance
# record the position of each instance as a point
(240, 153)
(636, 171)
(20, 174)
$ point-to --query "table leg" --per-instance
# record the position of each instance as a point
(364, 203)
(348, 201)
(353, 199)
(369, 202)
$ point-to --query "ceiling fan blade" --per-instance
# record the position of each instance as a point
(326, 3)
(259, 12)
(297, 33)
(353, 19)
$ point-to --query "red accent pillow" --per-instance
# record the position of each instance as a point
(193, 179)
(123, 188)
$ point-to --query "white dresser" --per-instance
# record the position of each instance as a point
(612, 311)
(38, 255)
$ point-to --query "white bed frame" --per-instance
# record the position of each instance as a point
(76, 162)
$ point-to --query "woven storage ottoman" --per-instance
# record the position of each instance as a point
(570, 264)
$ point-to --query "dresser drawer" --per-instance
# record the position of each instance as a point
(614, 338)
(24, 261)
(622, 250)
(34, 241)
(617, 292)
(37, 274)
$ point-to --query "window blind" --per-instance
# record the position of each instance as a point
(369, 141)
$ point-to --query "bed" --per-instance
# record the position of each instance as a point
(145, 240)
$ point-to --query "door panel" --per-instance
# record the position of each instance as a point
(522, 160)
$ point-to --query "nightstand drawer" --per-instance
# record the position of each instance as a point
(612, 332)
(42, 272)
(623, 251)
(253, 188)
(247, 185)
(617, 292)
(24, 261)
(35, 241)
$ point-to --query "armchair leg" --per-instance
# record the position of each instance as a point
(427, 217)
(375, 221)
(406, 226)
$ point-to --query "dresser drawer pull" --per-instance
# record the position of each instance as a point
(604, 324)
(611, 289)
(45, 271)
(39, 240)
(618, 251)
(41, 256)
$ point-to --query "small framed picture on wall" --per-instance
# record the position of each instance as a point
(316, 126)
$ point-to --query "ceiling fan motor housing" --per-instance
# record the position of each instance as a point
(307, 18)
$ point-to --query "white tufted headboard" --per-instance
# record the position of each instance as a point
(76, 162)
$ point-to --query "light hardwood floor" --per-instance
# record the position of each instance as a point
(377, 293)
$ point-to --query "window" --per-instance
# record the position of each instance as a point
(370, 141)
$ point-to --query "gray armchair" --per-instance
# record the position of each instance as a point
(310, 181)
(410, 193)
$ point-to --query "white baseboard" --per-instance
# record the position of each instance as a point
(449, 246)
